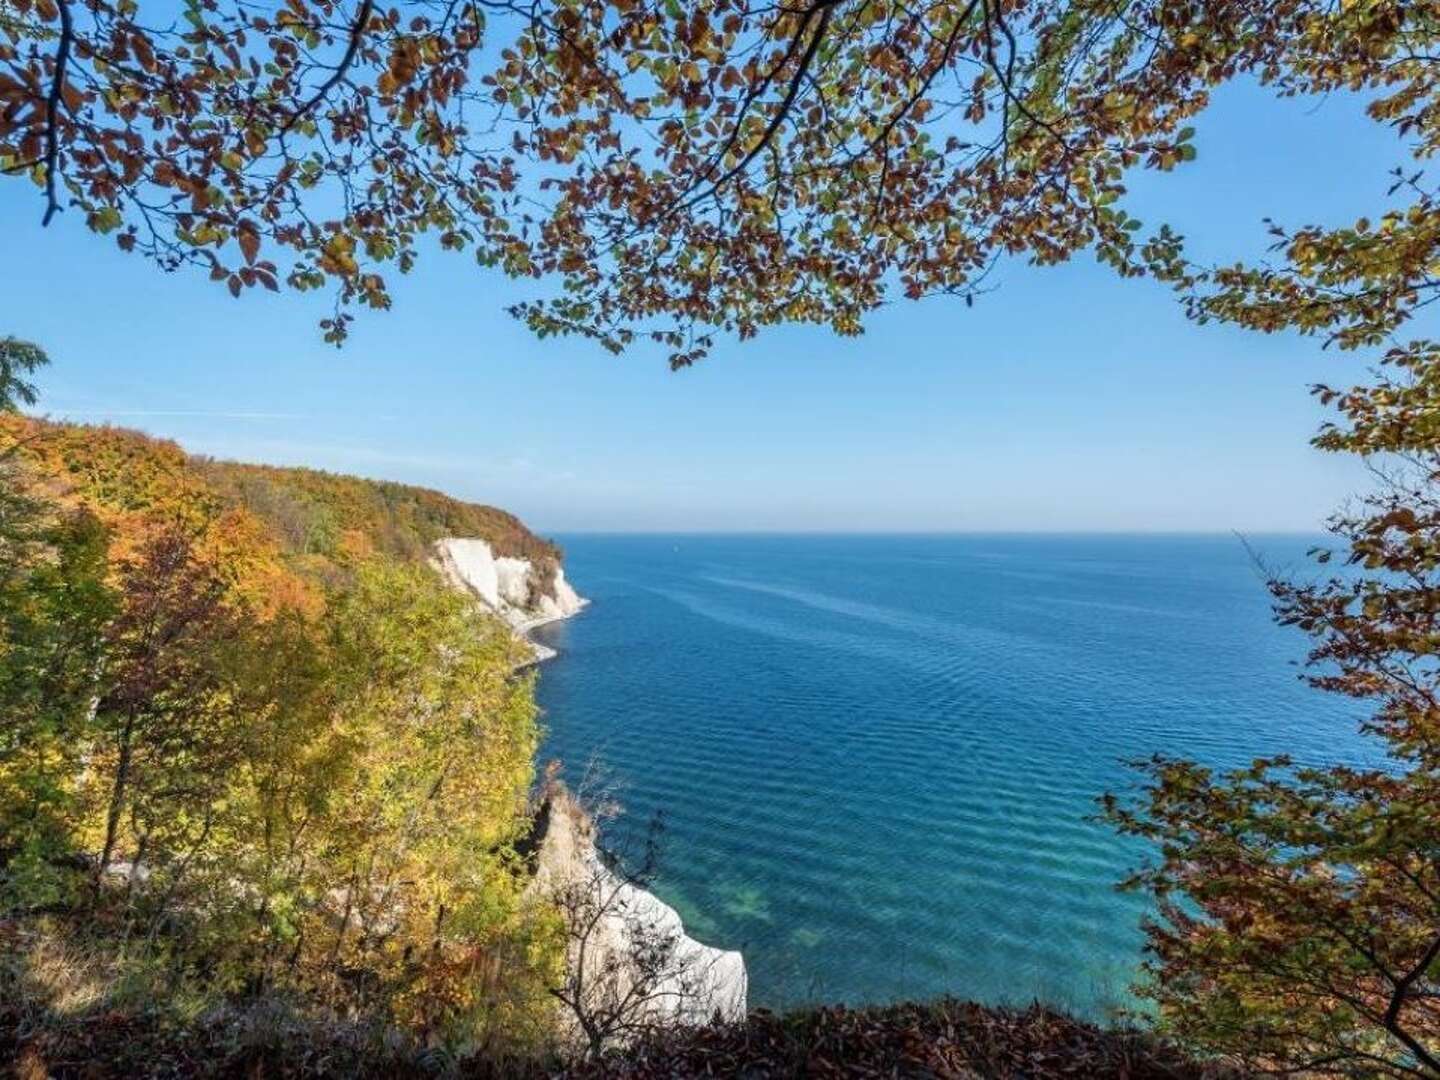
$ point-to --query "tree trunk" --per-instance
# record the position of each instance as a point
(117, 800)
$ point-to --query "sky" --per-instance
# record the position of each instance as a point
(1066, 400)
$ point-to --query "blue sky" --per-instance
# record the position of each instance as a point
(1066, 400)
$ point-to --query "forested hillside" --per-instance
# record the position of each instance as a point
(321, 514)
(256, 750)
(317, 520)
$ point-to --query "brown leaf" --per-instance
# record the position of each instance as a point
(249, 240)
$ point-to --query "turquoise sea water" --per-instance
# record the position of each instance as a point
(876, 755)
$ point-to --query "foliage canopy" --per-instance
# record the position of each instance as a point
(680, 169)
(236, 766)
(677, 169)
(1299, 902)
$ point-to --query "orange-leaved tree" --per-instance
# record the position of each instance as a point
(1299, 902)
(228, 773)
(1298, 918)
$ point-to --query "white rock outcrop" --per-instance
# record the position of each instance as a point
(699, 982)
(507, 586)
(469, 565)
(564, 602)
(705, 980)
(513, 581)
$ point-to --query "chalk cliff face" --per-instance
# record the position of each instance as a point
(699, 982)
(512, 588)
(705, 980)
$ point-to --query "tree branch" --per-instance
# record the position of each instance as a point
(357, 31)
(823, 7)
(1397, 1002)
(52, 111)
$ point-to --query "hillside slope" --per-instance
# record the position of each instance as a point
(256, 750)
(296, 528)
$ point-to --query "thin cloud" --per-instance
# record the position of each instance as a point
(512, 469)
(204, 414)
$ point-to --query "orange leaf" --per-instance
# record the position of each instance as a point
(249, 241)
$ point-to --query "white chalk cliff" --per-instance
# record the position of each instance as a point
(706, 980)
(698, 983)
(509, 587)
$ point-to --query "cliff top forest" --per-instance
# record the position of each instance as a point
(254, 744)
(224, 782)
(123, 475)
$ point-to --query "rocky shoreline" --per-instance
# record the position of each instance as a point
(696, 984)
(510, 587)
(715, 980)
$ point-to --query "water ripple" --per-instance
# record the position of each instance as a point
(877, 756)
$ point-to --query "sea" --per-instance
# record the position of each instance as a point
(876, 759)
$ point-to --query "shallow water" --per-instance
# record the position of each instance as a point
(876, 755)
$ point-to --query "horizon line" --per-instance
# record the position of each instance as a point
(939, 533)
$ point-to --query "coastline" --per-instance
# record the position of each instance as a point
(699, 980)
(544, 652)
(683, 981)
(506, 586)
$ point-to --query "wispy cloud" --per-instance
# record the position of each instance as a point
(524, 470)
(204, 414)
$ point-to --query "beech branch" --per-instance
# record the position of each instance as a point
(880, 141)
(823, 9)
(1397, 1001)
(357, 31)
(52, 111)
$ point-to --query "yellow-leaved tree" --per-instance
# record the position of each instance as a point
(222, 783)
